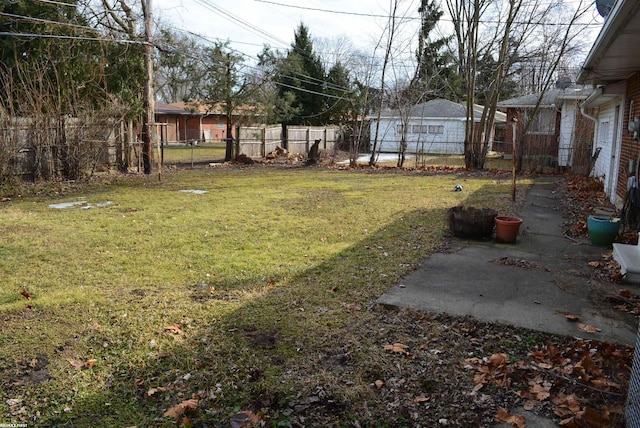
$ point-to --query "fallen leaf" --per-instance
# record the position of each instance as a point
(421, 399)
(478, 387)
(354, 307)
(180, 408)
(398, 348)
(594, 264)
(515, 420)
(588, 328)
(77, 364)
(245, 419)
(625, 293)
(332, 289)
(176, 328)
(529, 405)
(25, 294)
(379, 384)
(498, 360)
(83, 364)
(572, 317)
(603, 382)
(540, 392)
(152, 391)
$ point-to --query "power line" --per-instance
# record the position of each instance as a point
(45, 21)
(236, 19)
(58, 3)
(338, 12)
(302, 78)
(417, 18)
(58, 36)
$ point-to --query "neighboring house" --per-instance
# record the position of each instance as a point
(187, 122)
(436, 127)
(613, 68)
(557, 135)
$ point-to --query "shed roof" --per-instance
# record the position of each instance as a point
(441, 108)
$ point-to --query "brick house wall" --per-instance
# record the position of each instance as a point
(187, 127)
(630, 149)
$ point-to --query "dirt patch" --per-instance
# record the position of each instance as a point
(519, 263)
(29, 372)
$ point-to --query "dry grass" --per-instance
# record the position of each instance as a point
(242, 297)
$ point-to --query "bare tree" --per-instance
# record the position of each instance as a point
(337, 50)
(392, 54)
(506, 30)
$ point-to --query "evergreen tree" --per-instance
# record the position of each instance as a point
(435, 75)
(301, 79)
(341, 104)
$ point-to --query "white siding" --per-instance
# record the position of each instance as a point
(606, 166)
(435, 136)
(567, 130)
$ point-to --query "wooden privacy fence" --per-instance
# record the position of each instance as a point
(260, 141)
(47, 147)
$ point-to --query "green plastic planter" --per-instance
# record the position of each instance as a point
(602, 230)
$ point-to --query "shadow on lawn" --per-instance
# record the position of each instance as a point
(304, 348)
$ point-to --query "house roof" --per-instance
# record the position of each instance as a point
(440, 108)
(549, 99)
(613, 55)
(530, 101)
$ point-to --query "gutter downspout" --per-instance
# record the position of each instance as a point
(594, 95)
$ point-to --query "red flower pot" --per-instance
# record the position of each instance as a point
(507, 229)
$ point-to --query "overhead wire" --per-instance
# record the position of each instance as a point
(409, 18)
(59, 36)
(58, 3)
(45, 21)
(301, 77)
(317, 82)
(226, 15)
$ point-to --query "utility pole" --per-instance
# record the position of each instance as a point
(148, 103)
(514, 124)
(228, 110)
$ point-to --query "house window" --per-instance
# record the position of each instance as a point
(399, 129)
(419, 129)
(604, 132)
(436, 129)
(544, 122)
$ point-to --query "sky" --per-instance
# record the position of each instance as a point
(249, 24)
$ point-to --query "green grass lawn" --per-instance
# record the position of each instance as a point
(151, 294)
(198, 153)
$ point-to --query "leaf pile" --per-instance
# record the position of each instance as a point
(584, 382)
(581, 195)
(624, 300)
(607, 269)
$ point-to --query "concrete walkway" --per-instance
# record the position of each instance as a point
(532, 283)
